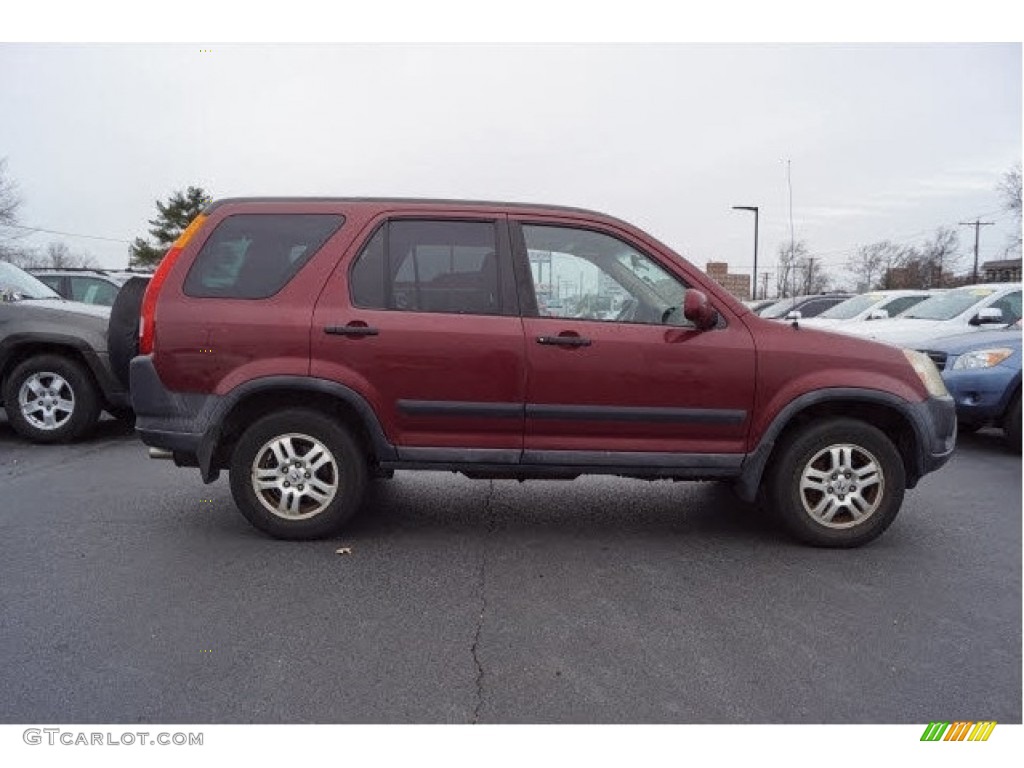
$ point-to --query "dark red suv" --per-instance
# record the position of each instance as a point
(307, 345)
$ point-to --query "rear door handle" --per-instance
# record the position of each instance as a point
(351, 330)
(564, 341)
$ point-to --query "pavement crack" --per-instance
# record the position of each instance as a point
(482, 593)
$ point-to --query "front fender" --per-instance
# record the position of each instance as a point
(933, 422)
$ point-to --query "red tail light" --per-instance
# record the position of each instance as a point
(147, 321)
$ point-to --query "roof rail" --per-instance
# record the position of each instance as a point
(98, 270)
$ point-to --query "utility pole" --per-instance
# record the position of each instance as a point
(977, 224)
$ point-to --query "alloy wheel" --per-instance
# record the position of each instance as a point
(46, 400)
(841, 486)
(295, 476)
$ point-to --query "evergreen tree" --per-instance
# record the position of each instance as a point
(172, 219)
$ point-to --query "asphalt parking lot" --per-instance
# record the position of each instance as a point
(133, 593)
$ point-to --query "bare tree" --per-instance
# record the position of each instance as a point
(816, 278)
(789, 279)
(940, 256)
(60, 256)
(57, 254)
(1010, 190)
(10, 201)
(15, 254)
(870, 263)
(908, 271)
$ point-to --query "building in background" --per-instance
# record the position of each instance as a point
(737, 285)
(1004, 271)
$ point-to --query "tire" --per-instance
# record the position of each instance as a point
(1011, 426)
(298, 512)
(60, 396)
(123, 327)
(821, 453)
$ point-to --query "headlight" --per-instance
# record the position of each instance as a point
(982, 358)
(929, 374)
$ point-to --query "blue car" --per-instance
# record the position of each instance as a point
(982, 373)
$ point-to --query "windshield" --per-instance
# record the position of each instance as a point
(948, 305)
(844, 310)
(779, 308)
(18, 284)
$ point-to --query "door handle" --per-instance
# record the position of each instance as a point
(564, 341)
(352, 329)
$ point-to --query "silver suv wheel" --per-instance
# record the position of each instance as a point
(842, 486)
(46, 400)
(295, 476)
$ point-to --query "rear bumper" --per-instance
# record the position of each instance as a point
(175, 421)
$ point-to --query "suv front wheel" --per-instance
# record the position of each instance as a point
(297, 474)
(837, 483)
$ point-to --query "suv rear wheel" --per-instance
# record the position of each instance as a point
(837, 483)
(51, 399)
(298, 475)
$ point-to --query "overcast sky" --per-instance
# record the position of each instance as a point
(886, 141)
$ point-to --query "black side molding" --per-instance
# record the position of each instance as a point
(634, 413)
(459, 408)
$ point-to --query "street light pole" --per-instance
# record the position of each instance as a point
(755, 209)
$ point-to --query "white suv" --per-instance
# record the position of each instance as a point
(971, 308)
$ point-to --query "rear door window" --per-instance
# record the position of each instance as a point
(53, 281)
(91, 290)
(429, 266)
(253, 256)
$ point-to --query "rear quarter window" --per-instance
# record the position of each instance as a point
(253, 256)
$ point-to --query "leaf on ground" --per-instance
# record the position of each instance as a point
(343, 551)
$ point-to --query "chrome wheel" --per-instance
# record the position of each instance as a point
(842, 486)
(295, 476)
(46, 400)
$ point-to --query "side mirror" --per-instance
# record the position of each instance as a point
(878, 314)
(796, 314)
(697, 310)
(988, 315)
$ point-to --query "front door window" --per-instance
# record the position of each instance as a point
(587, 275)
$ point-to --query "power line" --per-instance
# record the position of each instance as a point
(68, 234)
